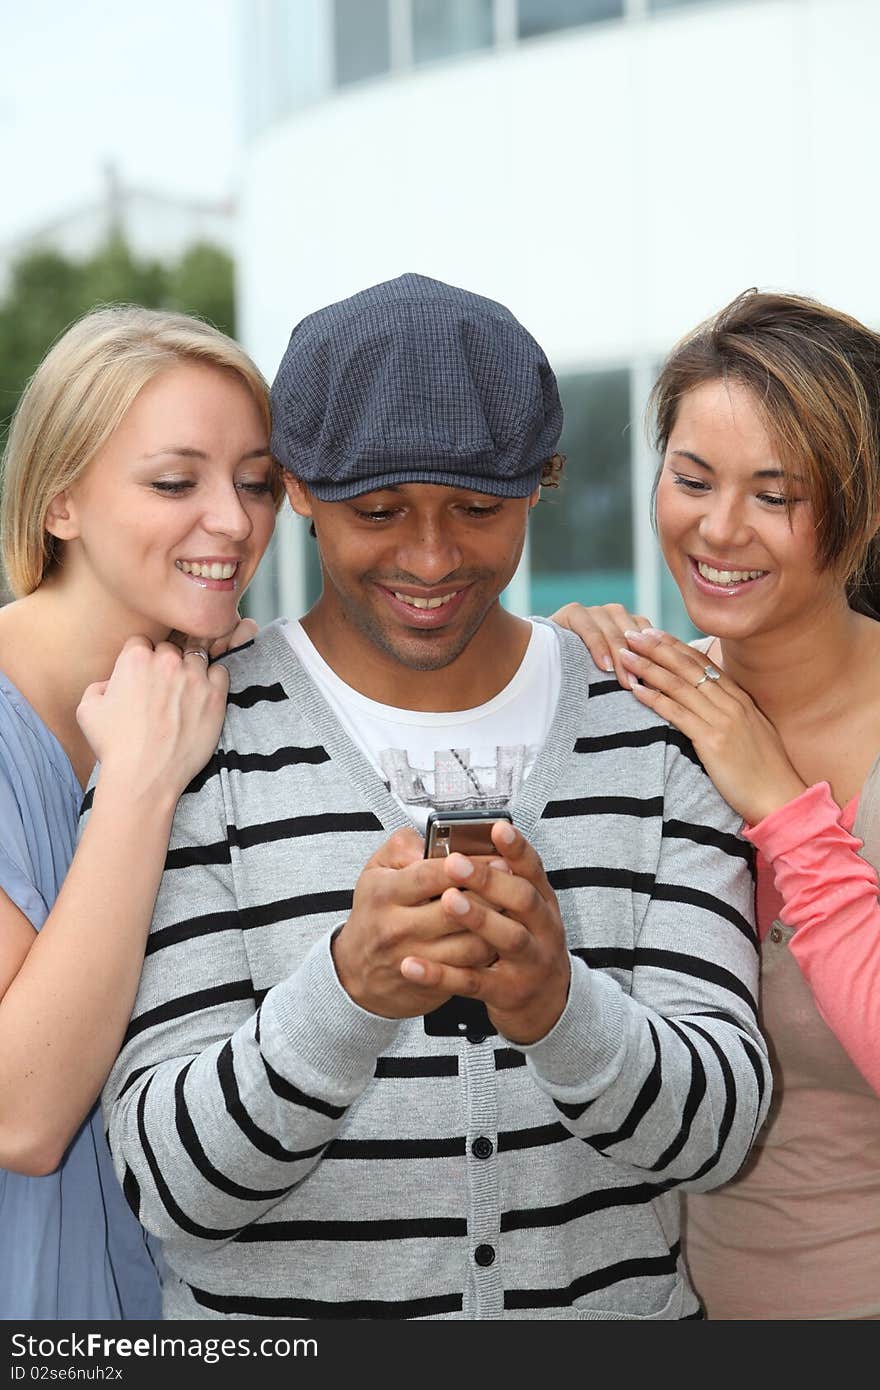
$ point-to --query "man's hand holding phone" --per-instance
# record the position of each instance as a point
(398, 912)
(508, 904)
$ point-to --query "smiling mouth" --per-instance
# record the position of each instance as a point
(424, 612)
(415, 602)
(725, 577)
(212, 569)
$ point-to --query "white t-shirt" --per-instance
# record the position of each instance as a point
(457, 759)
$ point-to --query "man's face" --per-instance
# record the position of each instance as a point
(413, 571)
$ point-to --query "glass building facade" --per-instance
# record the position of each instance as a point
(367, 39)
(581, 536)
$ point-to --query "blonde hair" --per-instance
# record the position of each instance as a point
(76, 399)
(814, 373)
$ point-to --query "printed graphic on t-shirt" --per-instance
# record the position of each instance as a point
(454, 782)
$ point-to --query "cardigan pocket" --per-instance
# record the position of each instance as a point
(673, 1310)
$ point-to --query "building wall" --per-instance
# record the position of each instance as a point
(611, 184)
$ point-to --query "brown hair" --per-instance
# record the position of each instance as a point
(814, 373)
(551, 473)
(75, 400)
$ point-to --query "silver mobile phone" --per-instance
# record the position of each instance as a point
(461, 832)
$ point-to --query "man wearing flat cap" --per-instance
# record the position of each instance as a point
(361, 1083)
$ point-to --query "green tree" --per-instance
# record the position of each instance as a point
(47, 292)
(43, 297)
(113, 275)
(202, 283)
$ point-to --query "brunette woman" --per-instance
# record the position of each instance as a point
(767, 507)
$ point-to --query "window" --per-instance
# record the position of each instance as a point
(545, 16)
(361, 39)
(301, 63)
(581, 543)
(442, 28)
(678, 4)
(314, 579)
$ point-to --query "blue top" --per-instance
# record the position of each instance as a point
(70, 1248)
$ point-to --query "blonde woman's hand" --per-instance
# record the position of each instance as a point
(737, 745)
(156, 721)
(601, 628)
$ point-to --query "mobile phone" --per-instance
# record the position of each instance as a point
(461, 832)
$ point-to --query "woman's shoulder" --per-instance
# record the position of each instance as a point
(16, 719)
(32, 760)
(19, 656)
(19, 721)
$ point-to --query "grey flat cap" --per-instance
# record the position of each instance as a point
(410, 381)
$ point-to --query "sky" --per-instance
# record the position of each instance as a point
(153, 87)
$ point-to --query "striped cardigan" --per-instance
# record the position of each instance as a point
(302, 1158)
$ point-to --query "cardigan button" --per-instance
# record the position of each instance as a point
(775, 935)
(482, 1147)
(485, 1255)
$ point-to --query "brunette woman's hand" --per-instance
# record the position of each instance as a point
(156, 721)
(601, 628)
(737, 745)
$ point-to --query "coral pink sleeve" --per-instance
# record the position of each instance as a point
(830, 897)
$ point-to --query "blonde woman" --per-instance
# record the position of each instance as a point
(768, 505)
(139, 495)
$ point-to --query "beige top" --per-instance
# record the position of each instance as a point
(797, 1233)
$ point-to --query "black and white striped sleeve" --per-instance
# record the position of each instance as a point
(672, 1078)
(218, 1105)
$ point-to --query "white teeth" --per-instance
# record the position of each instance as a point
(215, 570)
(423, 602)
(727, 576)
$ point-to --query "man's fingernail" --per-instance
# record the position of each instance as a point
(501, 865)
(507, 834)
(459, 903)
(461, 867)
(412, 969)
